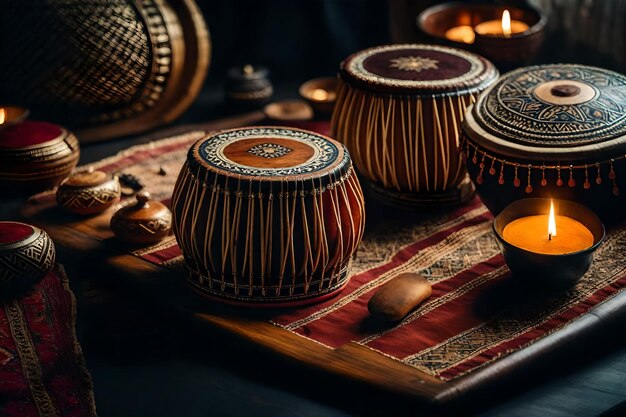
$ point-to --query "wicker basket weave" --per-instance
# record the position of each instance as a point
(105, 67)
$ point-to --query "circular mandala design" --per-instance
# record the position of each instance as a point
(356, 67)
(520, 108)
(211, 152)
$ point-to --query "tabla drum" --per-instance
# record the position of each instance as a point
(399, 112)
(267, 215)
(551, 131)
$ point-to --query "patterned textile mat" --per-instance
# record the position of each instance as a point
(42, 370)
(475, 314)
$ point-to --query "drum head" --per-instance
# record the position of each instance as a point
(262, 154)
(552, 112)
(418, 69)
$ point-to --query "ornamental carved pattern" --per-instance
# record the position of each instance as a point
(31, 261)
(325, 152)
(515, 109)
(89, 197)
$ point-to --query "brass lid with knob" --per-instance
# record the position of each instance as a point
(89, 192)
(144, 222)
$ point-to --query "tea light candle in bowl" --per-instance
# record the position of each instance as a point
(548, 243)
(321, 94)
(501, 27)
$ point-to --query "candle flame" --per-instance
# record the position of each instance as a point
(319, 94)
(506, 23)
(551, 222)
(2, 116)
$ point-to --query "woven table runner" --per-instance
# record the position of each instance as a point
(473, 317)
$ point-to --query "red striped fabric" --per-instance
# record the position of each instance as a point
(467, 322)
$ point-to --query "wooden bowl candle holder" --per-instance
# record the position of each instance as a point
(555, 131)
(267, 216)
(321, 94)
(531, 259)
(399, 111)
(463, 25)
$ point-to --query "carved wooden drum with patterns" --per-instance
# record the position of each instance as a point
(399, 112)
(267, 215)
(556, 131)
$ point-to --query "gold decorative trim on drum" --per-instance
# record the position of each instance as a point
(555, 131)
(399, 112)
(268, 215)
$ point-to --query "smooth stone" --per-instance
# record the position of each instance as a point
(398, 297)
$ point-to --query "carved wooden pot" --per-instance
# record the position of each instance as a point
(26, 255)
(144, 222)
(35, 156)
(89, 192)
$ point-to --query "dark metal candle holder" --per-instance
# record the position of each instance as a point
(506, 52)
(548, 271)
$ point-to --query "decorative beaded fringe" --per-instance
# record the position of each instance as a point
(564, 174)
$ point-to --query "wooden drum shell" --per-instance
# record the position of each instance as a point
(255, 242)
(394, 146)
(406, 137)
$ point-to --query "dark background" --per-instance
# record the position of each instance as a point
(146, 360)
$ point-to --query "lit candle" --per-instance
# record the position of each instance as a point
(462, 33)
(501, 27)
(2, 115)
(529, 233)
(319, 94)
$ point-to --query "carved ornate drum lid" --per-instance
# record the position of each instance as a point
(26, 254)
(268, 158)
(550, 131)
(552, 112)
(417, 69)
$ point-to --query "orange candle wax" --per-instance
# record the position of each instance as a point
(531, 233)
(462, 33)
(501, 27)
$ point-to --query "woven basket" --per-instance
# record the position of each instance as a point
(104, 67)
